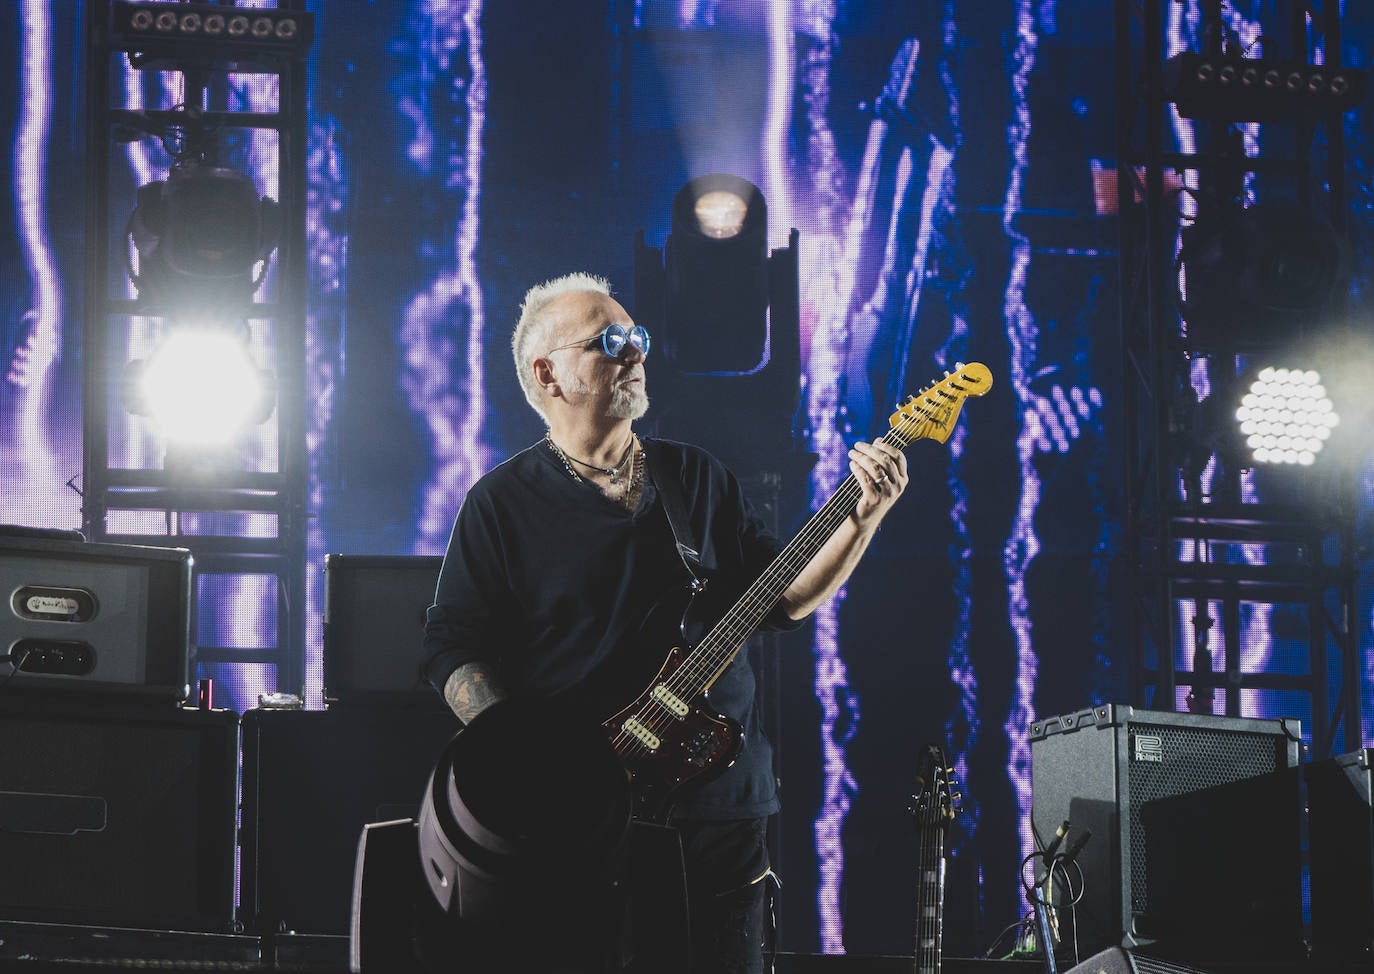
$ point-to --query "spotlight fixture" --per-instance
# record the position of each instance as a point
(1257, 278)
(1286, 416)
(261, 28)
(725, 312)
(717, 277)
(200, 387)
(200, 235)
(488, 878)
(1228, 88)
(720, 213)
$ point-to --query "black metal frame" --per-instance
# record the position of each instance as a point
(204, 67)
(1315, 540)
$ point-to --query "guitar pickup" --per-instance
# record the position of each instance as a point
(642, 734)
(674, 703)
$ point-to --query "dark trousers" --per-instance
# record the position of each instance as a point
(726, 864)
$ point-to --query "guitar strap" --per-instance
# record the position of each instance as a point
(670, 490)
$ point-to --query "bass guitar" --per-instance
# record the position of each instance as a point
(669, 739)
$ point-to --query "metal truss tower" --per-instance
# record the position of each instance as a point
(236, 76)
(1211, 563)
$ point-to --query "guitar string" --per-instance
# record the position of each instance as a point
(684, 682)
(817, 529)
(712, 656)
(928, 933)
(761, 597)
(928, 924)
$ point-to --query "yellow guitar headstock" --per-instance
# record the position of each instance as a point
(931, 413)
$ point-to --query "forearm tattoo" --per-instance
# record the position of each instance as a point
(471, 689)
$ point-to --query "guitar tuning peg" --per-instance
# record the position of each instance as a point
(960, 366)
(946, 374)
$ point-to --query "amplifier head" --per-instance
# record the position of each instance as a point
(112, 618)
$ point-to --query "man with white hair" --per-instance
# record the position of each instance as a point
(560, 554)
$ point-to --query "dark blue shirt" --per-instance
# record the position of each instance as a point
(564, 591)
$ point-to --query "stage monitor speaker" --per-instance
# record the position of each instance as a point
(83, 617)
(374, 623)
(1122, 774)
(117, 817)
(1117, 960)
(311, 781)
(396, 925)
(789, 963)
(1340, 801)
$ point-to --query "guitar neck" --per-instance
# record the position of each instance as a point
(930, 901)
(931, 416)
(718, 648)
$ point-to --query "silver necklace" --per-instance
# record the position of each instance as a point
(612, 472)
(629, 491)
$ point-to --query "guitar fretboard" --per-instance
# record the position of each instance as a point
(930, 901)
(933, 413)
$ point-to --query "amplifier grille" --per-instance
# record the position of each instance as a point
(1189, 759)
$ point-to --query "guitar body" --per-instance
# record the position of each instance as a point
(669, 745)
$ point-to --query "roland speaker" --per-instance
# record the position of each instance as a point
(1195, 830)
(91, 617)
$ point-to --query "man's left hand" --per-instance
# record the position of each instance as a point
(881, 472)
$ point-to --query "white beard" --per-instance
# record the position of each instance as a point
(628, 402)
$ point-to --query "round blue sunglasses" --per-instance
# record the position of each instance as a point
(612, 341)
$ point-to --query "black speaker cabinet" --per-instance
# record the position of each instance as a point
(311, 781)
(1340, 801)
(1185, 811)
(1117, 960)
(786, 963)
(117, 817)
(374, 624)
(83, 617)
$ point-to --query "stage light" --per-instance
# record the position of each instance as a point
(201, 387)
(518, 859)
(206, 24)
(200, 235)
(1258, 278)
(1286, 416)
(717, 296)
(1232, 89)
(720, 213)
